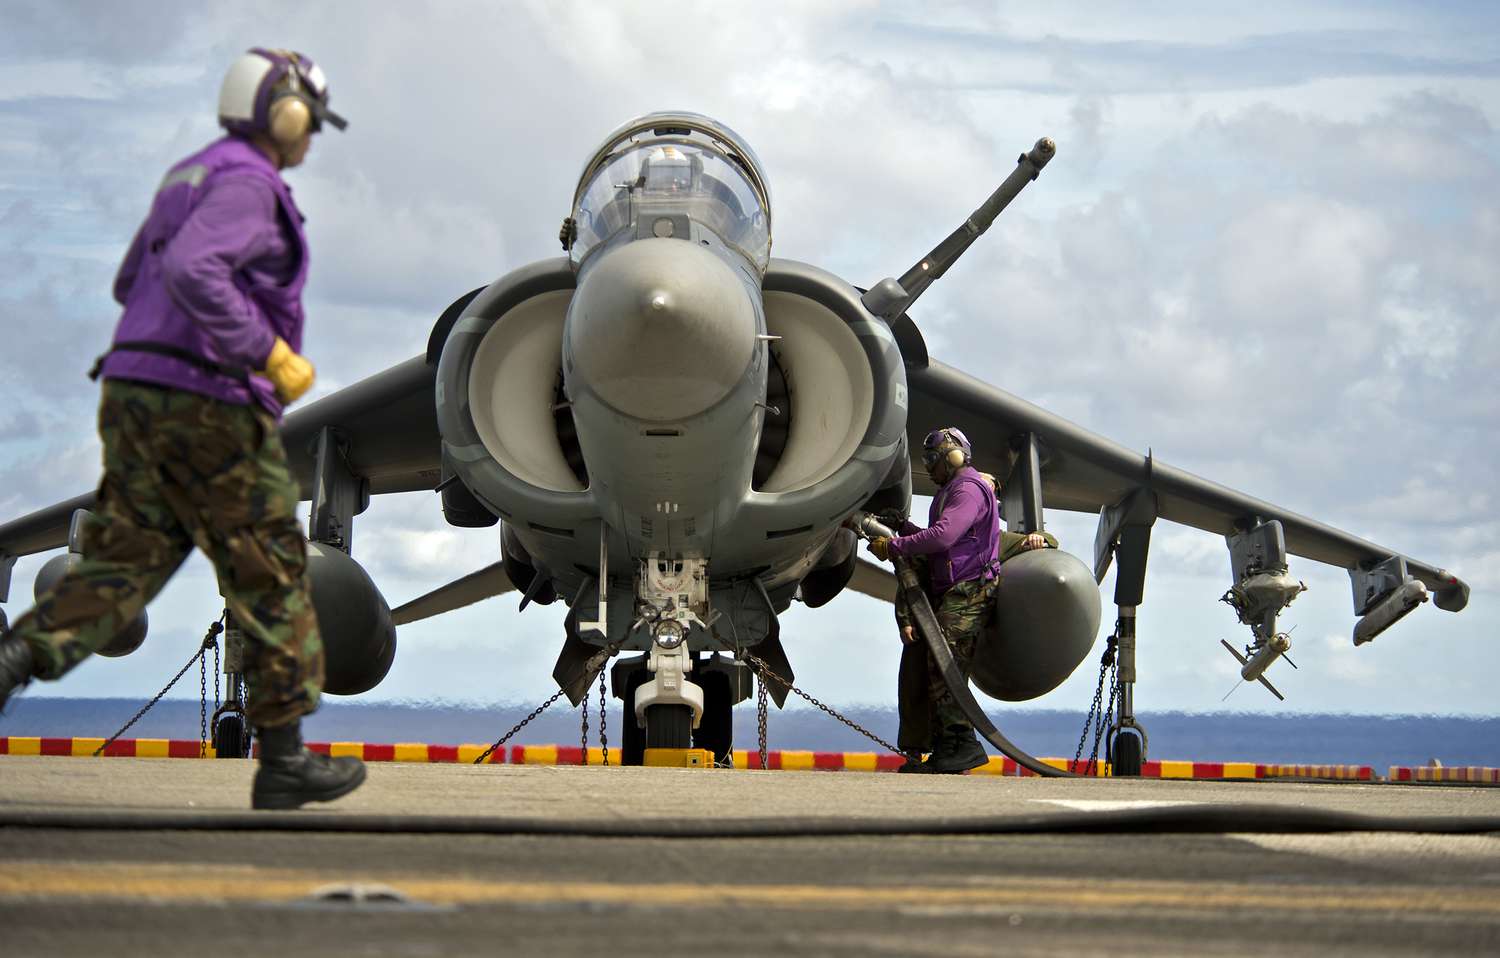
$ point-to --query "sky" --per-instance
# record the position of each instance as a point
(1266, 250)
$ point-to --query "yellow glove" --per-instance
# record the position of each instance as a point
(291, 374)
(880, 548)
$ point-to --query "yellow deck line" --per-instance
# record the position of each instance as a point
(211, 883)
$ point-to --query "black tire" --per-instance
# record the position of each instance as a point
(229, 737)
(1127, 753)
(669, 726)
(715, 730)
(632, 736)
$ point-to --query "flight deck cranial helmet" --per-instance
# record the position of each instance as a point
(278, 93)
(948, 445)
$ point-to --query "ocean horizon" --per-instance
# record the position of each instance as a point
(1320, 738)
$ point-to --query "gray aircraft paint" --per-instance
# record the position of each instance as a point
(387, 423)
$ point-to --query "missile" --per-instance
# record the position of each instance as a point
(1254, 668)
(1390, 610)
(1273, 649)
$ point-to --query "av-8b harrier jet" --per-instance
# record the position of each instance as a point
(678, 435)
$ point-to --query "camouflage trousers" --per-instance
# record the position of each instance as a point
(925, 705)
(183, 470)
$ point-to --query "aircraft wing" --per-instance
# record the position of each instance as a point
(386, 424)
(876, 581)
(474, 587)
(1085, 472)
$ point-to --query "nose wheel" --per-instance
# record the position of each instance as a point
(669, 726)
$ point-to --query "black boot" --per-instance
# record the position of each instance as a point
(960, 751)
(939, 746)
(290, 776)
(16, 666)
(913, 763)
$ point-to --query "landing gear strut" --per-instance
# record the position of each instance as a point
(1127, 742)
(1125, 536)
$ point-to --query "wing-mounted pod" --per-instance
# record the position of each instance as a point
(506, 429)
(1046, 619)
(129, 638)
(1384, 592)
(359, 636)
(1047, 606)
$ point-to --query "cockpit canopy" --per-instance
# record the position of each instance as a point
(665, 166)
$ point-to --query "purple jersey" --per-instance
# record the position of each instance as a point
(216, 271)
(962, 539)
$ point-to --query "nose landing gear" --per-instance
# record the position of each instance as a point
(724, 684)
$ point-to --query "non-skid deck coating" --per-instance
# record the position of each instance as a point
(165, 879)
(571, 792)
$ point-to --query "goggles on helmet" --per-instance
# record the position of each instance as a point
(938, 443)
(311, 86)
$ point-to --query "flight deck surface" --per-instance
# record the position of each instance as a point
(164, 857)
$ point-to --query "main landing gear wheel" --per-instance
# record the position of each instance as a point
(715, 730)
(1126, 753)
(229, 737)
(633, 744)
(669, 726)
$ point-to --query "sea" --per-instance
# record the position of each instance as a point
(1321, 738)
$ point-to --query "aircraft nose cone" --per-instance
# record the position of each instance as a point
(660, 329)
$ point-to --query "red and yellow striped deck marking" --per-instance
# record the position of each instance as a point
(120, 748)
(1466, 774)
(1340, 773)
(776, 759)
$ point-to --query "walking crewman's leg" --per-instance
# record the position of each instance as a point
(247, 503)
(129, 552)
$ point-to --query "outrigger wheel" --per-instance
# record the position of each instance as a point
(1125, 752)
(230, 740)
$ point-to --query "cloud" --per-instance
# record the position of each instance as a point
(1281, 283)
(1186, 49)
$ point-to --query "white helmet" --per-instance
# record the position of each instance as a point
(279, 93)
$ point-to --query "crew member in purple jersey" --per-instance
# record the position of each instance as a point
(960, 550)
(204, 357)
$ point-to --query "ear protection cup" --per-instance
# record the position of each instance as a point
(955, 458)
(290, 119)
